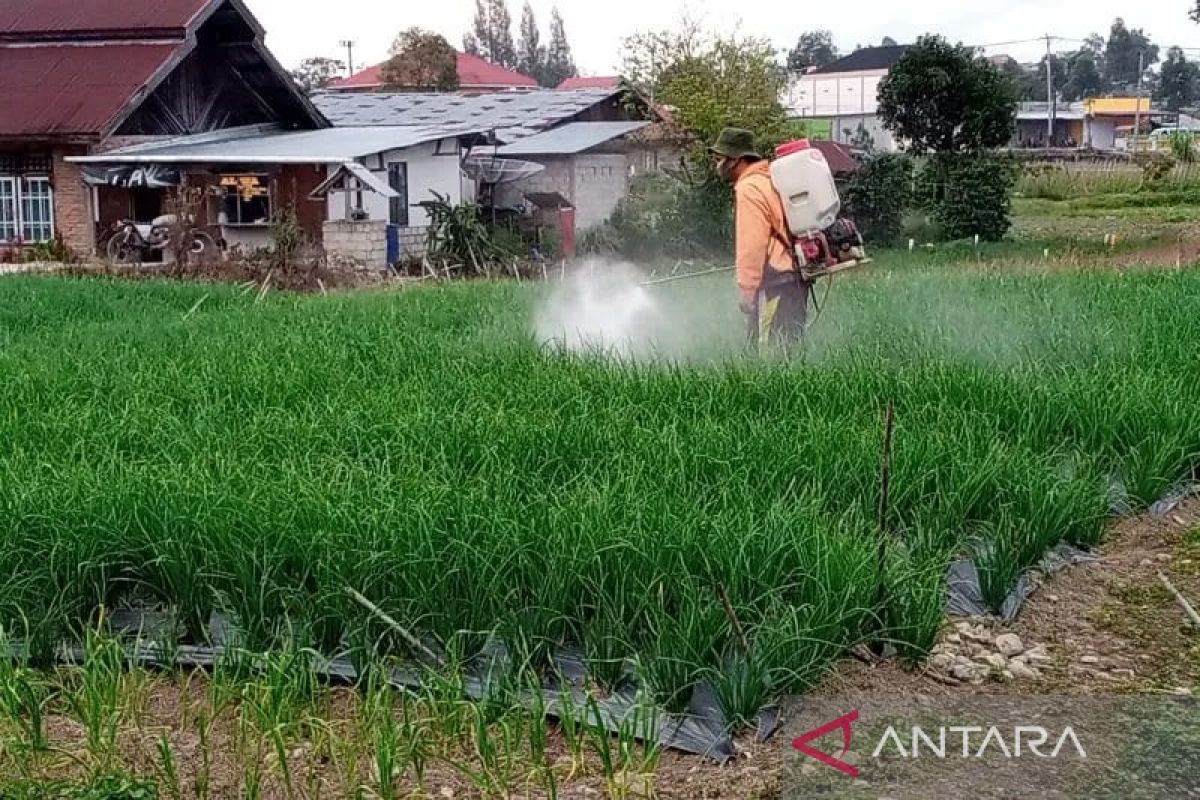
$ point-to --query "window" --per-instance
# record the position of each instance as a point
(245, 200)
(398, 180)
(8, 209)
(37, 213)
(26, 209)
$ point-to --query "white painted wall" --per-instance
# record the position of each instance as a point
(834, 94)
(429, 170)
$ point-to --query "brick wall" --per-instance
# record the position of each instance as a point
(72, 205)
(292, 187)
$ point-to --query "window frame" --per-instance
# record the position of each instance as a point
(234, 192)
(398, 206)
(21, 199)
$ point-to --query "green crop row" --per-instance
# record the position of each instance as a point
(423, 449)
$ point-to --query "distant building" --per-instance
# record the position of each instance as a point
(475, 76)
(1099, 124)
(844, 95)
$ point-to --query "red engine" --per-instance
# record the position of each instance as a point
(840, 243)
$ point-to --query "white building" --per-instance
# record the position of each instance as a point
(842, 96)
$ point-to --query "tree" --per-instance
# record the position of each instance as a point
(1084, 78)
(531, 54)
(646, 56)
(560, 64)
(944, 98)
(1122, 53)
(316, 73)
(491, 34)
(814, 49)
(423, 61)
(1033, 87)
(888, 42)
(1179, 81)
(950, 103)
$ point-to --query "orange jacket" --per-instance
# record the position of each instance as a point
(760, 224)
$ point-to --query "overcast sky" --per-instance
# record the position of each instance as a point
(297, 29)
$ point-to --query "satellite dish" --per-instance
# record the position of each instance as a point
(489, 169)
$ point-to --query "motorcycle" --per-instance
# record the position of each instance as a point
(134, 242)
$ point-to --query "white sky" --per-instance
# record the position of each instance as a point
(297, 29)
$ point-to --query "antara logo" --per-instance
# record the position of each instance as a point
(843, 724)
(935, 743)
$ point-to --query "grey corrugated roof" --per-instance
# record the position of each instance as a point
(325, 146)
(513, 115)
(574, 137)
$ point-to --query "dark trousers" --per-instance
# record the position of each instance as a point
(781, 312)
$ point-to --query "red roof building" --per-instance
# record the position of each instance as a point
(605, 82)
(79, 75)
(475, 76)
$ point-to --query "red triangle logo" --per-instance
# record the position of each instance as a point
(843, 724)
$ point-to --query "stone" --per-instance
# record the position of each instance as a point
(1181, 691)
(1164, 557)
(1147, 562)
(963, 661)
(995, 661)
(1022, 672)
(973, 673)
(1009, 644)
(953, 638)
(1006, 675)
(1125, 673)
(1037, 655)
(941, 661)
(1090, 660)
(1053, 598)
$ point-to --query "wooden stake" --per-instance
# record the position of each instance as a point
(322, 285)
(194, 308)
(1187, 607)
(412, 641)
(266, 285)
(885, 485)
(733, 620)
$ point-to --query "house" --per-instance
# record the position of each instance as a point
(586, 144)
(1099, 124)
(844, 95)
(475, 76)
(81, 78)
(258, 169)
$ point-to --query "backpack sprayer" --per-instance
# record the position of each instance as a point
(823, 243)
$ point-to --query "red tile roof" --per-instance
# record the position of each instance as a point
(473, 72)
(72, 89)
(40, 19)
(605, 82)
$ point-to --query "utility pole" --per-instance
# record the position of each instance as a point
(1137, 118)
(349, 45)
(1050, 109)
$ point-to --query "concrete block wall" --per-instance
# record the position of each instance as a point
(364, 243)
(412, 241)
(601, 181)
(72, 205)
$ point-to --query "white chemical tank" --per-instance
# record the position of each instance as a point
(805, 185)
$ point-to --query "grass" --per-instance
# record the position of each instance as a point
(1102, 181)
(422, 449)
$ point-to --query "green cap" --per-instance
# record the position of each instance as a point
(735, 143)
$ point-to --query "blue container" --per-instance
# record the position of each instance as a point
(393, 244)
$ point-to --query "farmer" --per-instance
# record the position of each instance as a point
(773, 295)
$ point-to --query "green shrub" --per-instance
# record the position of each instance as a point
(666, 215)
(877, 196)
(968, 194)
